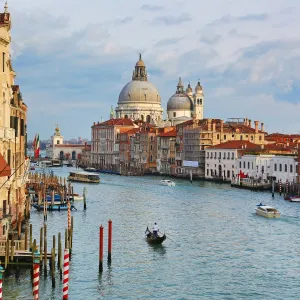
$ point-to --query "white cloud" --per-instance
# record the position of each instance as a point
(238, 51)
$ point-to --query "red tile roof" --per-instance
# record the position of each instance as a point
(171, 133)
(236, 145)
(116, 122)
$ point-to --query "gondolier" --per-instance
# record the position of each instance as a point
(155, 229)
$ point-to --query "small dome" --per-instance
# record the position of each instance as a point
(198, 87)
(180, 102)
(189, 89)
(140, 62)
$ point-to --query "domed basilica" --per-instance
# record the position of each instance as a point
(140, 100)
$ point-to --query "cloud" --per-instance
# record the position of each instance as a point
(124, 21)
(167, 42)
(149, 7)
(172, 20)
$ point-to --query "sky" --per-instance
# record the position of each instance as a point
(73, 57)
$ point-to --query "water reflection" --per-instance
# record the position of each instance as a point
(158, 249)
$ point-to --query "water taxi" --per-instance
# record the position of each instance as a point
(167, 182)
(84, 177)
(267, 211)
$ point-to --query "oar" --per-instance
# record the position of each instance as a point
(172, 241)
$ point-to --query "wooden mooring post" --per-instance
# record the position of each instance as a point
(101, 249)
(109, 240)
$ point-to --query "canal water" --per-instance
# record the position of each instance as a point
(217, 247)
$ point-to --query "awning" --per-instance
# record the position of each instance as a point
(5, 169)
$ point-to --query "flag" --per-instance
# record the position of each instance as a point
(37, 147)
(34, 144)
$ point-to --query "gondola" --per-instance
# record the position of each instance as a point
(151, 239)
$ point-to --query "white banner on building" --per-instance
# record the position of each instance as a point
(190, 163)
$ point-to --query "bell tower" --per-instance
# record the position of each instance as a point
(198, 98)
(57, 138)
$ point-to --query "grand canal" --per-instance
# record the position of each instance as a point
(218, 247)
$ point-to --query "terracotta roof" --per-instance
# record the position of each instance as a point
(132, 131)
(171, 133)
(116, 122)
(236, 145)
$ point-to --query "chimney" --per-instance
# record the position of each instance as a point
(221, 123)
(250, 123)
(246, 121)
(209, 124)
(262, 128)
(214, 127)
(256, 126)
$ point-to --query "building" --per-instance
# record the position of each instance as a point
(221, 160)
(184, 105)
(166, 151)
(104, 147)
(139, 99)
(13, 137)
(58, 150)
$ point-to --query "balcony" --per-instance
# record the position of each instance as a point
(7, 133)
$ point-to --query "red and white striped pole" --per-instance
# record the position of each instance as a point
(66, 275)
(36, 275)
(1, 280)
(287, 187)
(279, 187)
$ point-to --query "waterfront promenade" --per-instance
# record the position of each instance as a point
(224, 250)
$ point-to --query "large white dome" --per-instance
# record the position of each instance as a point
(180, 102)
(139, 91)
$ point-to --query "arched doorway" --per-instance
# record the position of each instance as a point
(126, 116)
(73, 155)
(61, 155)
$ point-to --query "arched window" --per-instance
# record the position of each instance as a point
(73, 155)
(240, 164)
(148, 119)
(285, 168)
(142, 118)
(275, 167)
(218, 136)
(126, 116)
(241, 137)
(248, 165)
(200, 101)
(291, 168)
(174, 114)
(57, 142)
(151, 158)
(280, 167)
(251, 137)
(244, 165)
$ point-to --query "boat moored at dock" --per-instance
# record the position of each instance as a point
(84, 177)
(167, 182)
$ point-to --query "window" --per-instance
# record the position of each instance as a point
(260, 137)
(285, 168)
(232, 155)
(244, 164)
(215, 154)
(241, 137)
(240, 164)
(151, 158)
(57, 142)
(126, 116)
(174, 114)
(224, 136)
(218, 136)
(200, 101)
(151, 147)
(280, 167)
(291, 168)
(207, 172)
(22, 127)
(228, 174)
(275, 167)
(251, 137)
(248, 165)
(224, 155)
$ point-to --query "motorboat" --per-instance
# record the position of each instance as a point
(84, 177)
(167, 182)
(267, 211)
(294, 199)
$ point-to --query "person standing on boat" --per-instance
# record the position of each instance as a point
(155, 229)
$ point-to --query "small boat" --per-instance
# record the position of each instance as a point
(294, 199)
(267, 211)
(84, 177)
(167, 182)
(77, 197)
(154, 240)
(56, 207)
(90, 169)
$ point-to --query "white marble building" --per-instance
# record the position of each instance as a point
(139, 98)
